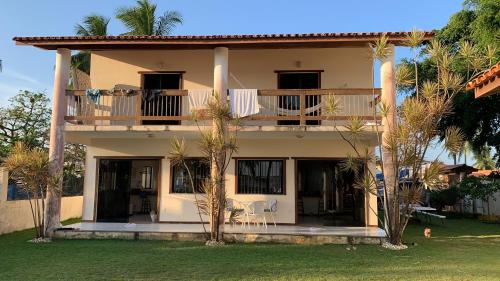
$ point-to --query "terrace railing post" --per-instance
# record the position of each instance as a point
(302, 103)
(138, 103)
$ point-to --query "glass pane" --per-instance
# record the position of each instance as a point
(200, 171)
(260, 176)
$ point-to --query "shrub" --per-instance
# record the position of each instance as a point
(444, 197)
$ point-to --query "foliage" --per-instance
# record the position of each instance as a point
(93, 25)
(142, 19)
(29, 167)
(74, 159)
(444, 197)
(483, 158)
(489, 218)
(26, 119)
(471, 38)
(481, 188)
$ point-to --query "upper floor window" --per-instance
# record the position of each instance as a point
(200, 171)
(260, 176)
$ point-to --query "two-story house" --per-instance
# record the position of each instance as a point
(144, 88)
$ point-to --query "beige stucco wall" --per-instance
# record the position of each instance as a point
(343, 67)
(181, 207)
(16, 215)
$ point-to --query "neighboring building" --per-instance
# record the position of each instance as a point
(288, 151)
(487, 83)
(451, 175)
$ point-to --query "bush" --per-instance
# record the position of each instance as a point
(490, 219)
(444, 197)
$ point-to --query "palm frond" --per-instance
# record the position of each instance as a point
(429, 89)
(490, 54)
(454, 140)
(332, 105)
(414, 38)
(166, 23)
(178, 151)
(404, 76)
(93, 25)
(366, 183)
(430, 177)
(380, 50)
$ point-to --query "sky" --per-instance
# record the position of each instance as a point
(32, 69)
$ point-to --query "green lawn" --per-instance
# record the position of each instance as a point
(459, 250)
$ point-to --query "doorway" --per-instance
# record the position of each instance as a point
(127, 190)
(326, 195)
(299, 80)
(155, 104)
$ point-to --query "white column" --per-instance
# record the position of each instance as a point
(221, 58)
(388, 97)
(56, 145)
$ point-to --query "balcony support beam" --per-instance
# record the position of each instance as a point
(56, 139)
(388, 97)
(221, 60)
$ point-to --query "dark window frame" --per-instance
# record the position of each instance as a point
(283, 174)
(172, 176)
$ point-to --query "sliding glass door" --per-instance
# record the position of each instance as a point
(113, 190)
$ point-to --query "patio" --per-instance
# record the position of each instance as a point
(296, 234)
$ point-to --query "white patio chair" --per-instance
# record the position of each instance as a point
(230, 210)
(257, 213)
(271, 209)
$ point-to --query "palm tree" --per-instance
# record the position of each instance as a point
(483, 158)
(142, 19)
(92, 25)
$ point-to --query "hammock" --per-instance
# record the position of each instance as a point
(269, 106)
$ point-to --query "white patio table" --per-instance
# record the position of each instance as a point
(249, 210)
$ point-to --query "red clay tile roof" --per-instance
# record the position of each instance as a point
(484, 77)
(209, 41)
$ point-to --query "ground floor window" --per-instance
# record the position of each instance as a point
(200, 171)
(260, 176)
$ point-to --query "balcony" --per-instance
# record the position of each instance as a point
(170, 107)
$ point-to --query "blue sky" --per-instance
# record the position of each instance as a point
(31, 68)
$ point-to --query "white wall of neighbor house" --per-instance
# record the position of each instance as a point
(176, 207)
(16, 215)
(483, 206)
(343, 67)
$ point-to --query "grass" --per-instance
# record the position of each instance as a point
(462, 249)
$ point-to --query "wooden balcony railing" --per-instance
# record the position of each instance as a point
(155, 107)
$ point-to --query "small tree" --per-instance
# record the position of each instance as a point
(480, 188)
(409, 131)
(29, 168)
(217, 144)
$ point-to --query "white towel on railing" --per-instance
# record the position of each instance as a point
(198, 99)
(243, 102)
